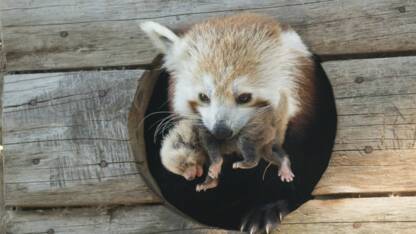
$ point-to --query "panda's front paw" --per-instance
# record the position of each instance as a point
(265, 218)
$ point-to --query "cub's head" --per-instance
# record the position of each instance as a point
(182, 158)
(227, 70)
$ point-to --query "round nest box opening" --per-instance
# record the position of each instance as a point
(240, 192)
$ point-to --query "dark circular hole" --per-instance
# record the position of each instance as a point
(359, 80)
(308, 143)
(35, 161)
(63, 33)
(103, 163)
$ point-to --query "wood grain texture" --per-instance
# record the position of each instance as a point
(355, 215)
(2, 207)
(375, 149)
(66, 140)
(138, 219)
(102, 33)
(359, 215)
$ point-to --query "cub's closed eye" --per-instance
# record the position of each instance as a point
(203, 98)
(243, 98)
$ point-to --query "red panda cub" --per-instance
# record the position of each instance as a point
(186, 145)
(181, 152)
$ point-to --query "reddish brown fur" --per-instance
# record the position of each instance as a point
(306, 92)
(193, 105)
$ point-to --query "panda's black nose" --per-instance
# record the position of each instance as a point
(221, 131)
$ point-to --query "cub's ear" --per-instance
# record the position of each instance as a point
(161, 37)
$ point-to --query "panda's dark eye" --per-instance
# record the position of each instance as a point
(243, 98)
(204, 98)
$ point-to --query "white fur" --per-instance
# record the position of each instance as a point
(173, 49)
(290, 39)
(184, 92)
(209, 85)
(234, 116)
(156, 32)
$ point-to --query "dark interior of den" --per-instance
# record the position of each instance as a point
(247, 192)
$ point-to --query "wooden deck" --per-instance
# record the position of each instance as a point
(67, 163)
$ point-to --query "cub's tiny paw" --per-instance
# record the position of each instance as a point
(286, 174)
(207, 185)
(193, 172)
(215, 169)
(201, 187)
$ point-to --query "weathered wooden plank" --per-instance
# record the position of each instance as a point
(381, 171)
(375, 149)
(358, 215)
(66, 139)
(138, 219)
(100, 33)
(2, 66)
(348, 228)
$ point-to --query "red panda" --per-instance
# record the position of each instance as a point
(219, 62)
(224, 69)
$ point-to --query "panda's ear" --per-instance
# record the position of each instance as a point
(161, 37)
